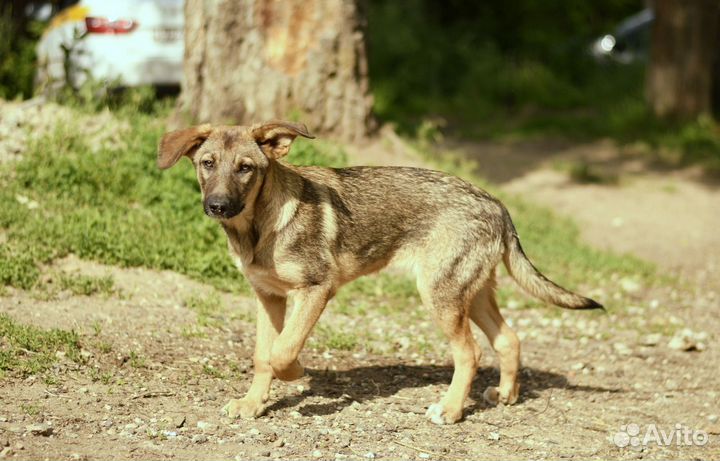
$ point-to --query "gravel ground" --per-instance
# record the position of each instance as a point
(150, 389)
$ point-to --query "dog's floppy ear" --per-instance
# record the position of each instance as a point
(175, 144)
(275, 137)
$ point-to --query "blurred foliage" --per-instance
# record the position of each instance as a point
(17, 54)
(472, 58)
(517, 70)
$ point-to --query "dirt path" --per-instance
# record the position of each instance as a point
(156, 372)
(150, 389)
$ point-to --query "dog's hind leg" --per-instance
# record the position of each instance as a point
(270, 318)
(452, 316)
(485, 313)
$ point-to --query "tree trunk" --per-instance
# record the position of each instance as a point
(679, 81)
(252, 60)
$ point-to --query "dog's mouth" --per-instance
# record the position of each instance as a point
(227, 212)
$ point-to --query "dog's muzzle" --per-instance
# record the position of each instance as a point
(222, 207)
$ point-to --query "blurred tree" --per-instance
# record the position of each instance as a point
(684, 42)
(252, 60)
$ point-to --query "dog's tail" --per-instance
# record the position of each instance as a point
(535, 283)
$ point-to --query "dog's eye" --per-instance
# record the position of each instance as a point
(208, 164)
(244, 168)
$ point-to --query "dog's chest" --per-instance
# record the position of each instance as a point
(263, 271)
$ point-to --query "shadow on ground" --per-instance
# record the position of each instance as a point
(379, 381)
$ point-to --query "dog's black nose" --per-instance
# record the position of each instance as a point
(218, 205)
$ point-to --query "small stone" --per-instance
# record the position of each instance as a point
(179, 421)
(578, 366)
(205, 426)
(107, 423)
(316, 454)
(295, 414)
(130, 428)
(713, 418)
(494, 436)
(39, 429)
(279, 443)
(6, 452)
(254, 431)
(651, 340)
(684, 341)
(264, 453)
(629, 285)
(344, 441)
(199, 438)
(622, 349)
(425, 455)
(370, 455)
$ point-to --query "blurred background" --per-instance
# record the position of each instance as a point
(626, 69)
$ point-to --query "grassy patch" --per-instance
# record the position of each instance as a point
(87, 285)
(208, 309)
(136, 360)
(28, 350)
(332, 339)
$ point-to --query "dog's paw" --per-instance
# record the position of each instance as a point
(242, 408)
(439, 415)
(495, 395)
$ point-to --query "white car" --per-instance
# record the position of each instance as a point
(127, 42)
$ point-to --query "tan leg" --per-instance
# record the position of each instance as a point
(466, 357)
(310, 303)
(485, 313)
(270, 318)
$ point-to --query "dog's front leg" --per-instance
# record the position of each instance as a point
(309, 304)
(270, 318)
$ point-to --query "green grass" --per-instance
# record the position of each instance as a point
(328, 338)
(28, 350)
(87, 285)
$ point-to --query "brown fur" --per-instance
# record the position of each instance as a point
(306, 231)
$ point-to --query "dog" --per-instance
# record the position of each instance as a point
(306, 231)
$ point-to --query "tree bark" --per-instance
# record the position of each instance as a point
(252, 60)
(680, 74)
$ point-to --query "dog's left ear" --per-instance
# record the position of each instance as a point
(177, 143)
(274, 138)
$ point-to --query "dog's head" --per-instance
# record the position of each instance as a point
(230, 161)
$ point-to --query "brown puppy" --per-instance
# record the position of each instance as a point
(306, 231)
